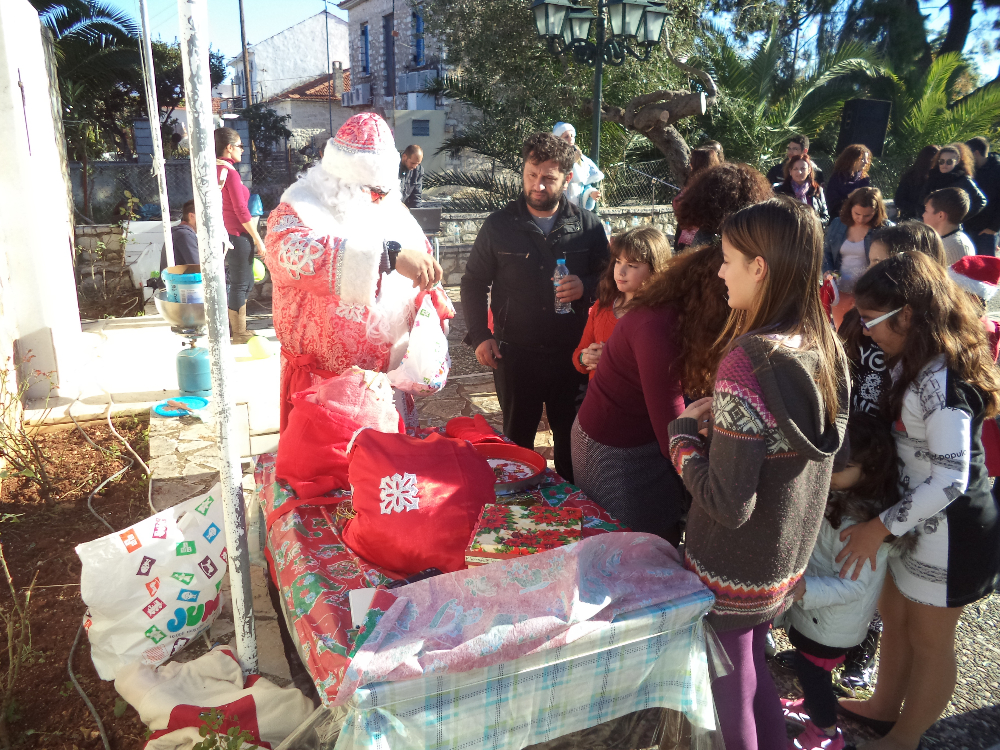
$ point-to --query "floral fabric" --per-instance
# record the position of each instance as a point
(515, 530)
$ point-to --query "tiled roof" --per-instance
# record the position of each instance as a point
(318, 89)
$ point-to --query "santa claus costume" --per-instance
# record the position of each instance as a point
(328, 244)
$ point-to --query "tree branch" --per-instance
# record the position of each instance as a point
(711, 91)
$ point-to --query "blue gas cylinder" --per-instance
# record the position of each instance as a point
(194, 372)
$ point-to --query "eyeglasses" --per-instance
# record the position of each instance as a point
(237, 145)
(947, 162)
(868, 325)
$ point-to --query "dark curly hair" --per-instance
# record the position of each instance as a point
(542, 147)
(691, 283)
(873, 451)
(718, 192)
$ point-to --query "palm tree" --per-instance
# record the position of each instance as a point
(755, 114)
(928, 110)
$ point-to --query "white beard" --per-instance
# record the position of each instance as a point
(333, 208)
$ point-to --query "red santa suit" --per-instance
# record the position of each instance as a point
(332, 306)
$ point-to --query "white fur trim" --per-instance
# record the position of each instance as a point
(376, 169)
(980, 289)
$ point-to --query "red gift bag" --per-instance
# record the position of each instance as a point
(312, 452)
(417, 501)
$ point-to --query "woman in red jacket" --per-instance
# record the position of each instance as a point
(635, 256)
(242, 229)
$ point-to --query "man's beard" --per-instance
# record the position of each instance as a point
(551, 201)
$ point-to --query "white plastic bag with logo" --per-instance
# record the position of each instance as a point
(152, 588)
(426, 364)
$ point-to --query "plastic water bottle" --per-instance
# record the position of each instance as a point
(561, 272)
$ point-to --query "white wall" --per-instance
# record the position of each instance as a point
(35, 229)
(294, 56)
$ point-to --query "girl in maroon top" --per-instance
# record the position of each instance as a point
(635, 256)
(663, 349)
(242, 229)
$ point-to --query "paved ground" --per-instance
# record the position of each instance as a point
(971, 721)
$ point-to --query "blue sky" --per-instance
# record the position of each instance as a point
(264, 18)
(267, 17)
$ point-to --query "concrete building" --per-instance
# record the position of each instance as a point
(39, 316)
(392, 59)
(312, 106)
(292, 57)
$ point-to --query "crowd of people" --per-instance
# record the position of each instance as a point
(799, 391)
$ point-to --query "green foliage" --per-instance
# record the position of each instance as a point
(169, 73)
(267, 127)
(927, 109)
(481, 191)
(215, 738)
(19, 448)
(755, 114)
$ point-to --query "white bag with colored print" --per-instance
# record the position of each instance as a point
(152, 588)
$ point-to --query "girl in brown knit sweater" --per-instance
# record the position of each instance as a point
(759, 485)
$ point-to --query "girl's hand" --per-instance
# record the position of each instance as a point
(701, 412)
(799, 590)
(863, 542)
(591, 355)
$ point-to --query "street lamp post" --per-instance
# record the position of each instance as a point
(636, 27)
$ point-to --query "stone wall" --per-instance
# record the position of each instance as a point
(458, 233)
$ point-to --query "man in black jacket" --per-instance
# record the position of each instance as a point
(797, 145)
(983, 227)
(531, 346)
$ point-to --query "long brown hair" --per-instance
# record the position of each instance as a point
(966, 162)
(943, 321)
(638, 245)
(926, 161)
(787, 171)
(788, 235)
(691, 283)
(702, 159)
(852, 160)
(873, 451)
(868, 197)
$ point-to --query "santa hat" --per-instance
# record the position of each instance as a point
(563, 127)
(979, 274)
(363, 153)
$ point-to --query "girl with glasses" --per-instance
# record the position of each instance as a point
(956, 168)
(944, 384)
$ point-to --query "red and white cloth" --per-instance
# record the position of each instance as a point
(171, 699)
(325, 241)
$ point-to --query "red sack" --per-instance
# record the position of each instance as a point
(312, 452)
(417, 501)
(474, 429)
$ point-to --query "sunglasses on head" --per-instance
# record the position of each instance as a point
(869, 324)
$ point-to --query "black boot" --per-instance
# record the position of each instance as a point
(859, 665)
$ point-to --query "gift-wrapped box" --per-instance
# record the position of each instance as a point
(506, 531)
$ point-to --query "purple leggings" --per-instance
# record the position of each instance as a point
(746, 699)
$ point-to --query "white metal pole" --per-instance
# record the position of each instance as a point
(159, 165)
(208, 205)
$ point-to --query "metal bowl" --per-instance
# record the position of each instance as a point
(185, 315)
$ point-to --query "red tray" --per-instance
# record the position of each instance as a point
(514, 453)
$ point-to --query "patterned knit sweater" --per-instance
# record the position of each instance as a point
(760, 485)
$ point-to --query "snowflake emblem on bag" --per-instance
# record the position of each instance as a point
(352, 312)
(399, 493)
(297, 255)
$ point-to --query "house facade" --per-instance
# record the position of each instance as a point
(292, 57)
(313, 106)
(392, 59)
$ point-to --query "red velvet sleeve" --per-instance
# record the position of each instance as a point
(587, 339)
(657, 355)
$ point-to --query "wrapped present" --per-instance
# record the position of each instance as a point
(506, 531)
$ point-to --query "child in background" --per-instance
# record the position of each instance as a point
(831, 614)
(944, 384)
(943, 212)
(635, 256)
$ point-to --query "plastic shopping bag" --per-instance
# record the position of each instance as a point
(152, 588)
(426, 364)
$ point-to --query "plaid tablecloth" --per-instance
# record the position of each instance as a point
(655, 657)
